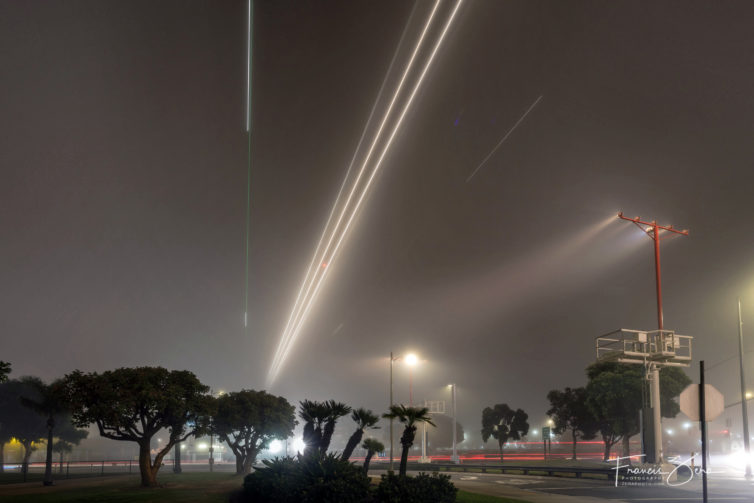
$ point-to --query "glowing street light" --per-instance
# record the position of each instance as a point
(411, 360)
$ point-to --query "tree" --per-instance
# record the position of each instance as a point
(68, 436)
(51, 403)
(249, 420)
(371, 445)
(364, 419)
(410, 417)
(319, 423)
(4, 371)
(335, 411)
(614, 395)
(133, 404)
(314, 415)
(503, 423)
(19, 421)
(569, 411)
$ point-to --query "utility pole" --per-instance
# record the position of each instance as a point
(391, 407)
(454, 457)
(744, 405)
(652, 229)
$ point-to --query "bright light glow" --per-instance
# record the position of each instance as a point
(411, 359)
(533, 432)
(739, 459)
(299, 445)
(183, 447)
(550, 422)
(686, 426)
(669, 431)
(201, 446)
(748, 395)
(303, 304)
(275, 446)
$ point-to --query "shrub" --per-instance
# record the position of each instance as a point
(423, 488)
(307, 479)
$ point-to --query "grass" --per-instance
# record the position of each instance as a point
(185, 488)
(467, 497)
(17, 477)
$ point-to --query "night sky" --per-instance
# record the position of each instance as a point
(123, 157)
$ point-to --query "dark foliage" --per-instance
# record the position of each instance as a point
(423, 488)
(4, 371)
(307, 479)
(249, 420)
(503, 423)
(570, 413)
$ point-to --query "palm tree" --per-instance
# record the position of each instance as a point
(313, 414)
(410, 416)
(364, 419)
(51, 402)
(336, 410)
(371, 445)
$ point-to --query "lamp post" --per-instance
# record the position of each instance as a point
(391, 407)
(454, 457)
(744, 405)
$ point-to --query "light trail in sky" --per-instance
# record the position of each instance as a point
(305, 303)
(312, 271)
(248, 164)
(518, 122)
(299, 312)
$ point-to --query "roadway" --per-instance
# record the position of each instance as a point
(544, 489)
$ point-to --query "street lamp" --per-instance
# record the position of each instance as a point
(454, 457)
(411, 359)
(744, 395)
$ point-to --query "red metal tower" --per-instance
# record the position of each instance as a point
(652, 229)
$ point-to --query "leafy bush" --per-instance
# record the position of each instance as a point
(423, 488)
(307, 479)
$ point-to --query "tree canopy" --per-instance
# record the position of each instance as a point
(569, 412)
(4, 371)
(16, 419)
(503, 424)
(51, 403)
(249, 420)
(614, 395)
(133, 404)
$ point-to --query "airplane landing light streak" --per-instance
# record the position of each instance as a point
(303, 305)
(311, 274)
